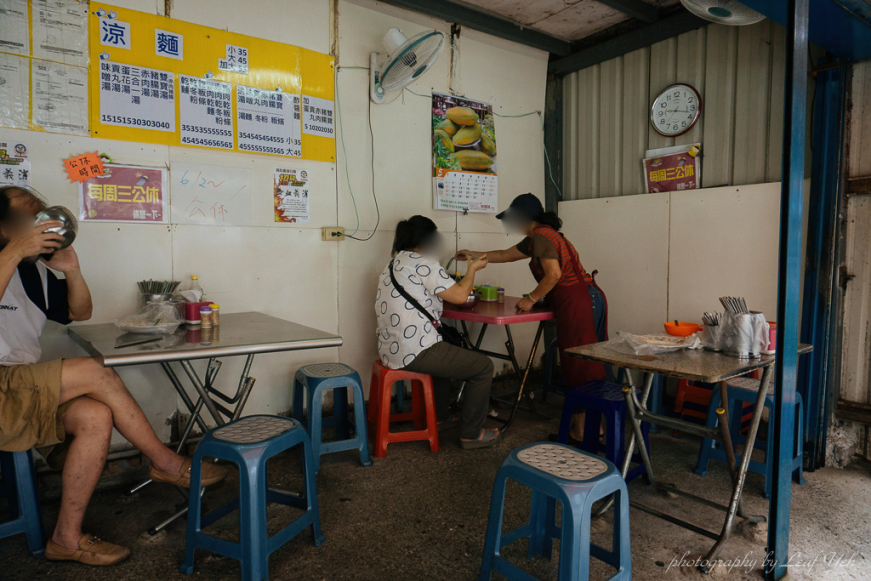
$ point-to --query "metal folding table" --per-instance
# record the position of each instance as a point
(239, 334)
(693, 365)
(504, 314)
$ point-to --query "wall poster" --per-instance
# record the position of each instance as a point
(291, 194)
(673, 169)
(464, 155)
(124, 193)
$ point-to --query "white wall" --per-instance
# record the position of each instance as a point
(286, 270)
(672, 255)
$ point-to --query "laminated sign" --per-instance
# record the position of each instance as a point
(164, 81)
(124, 193)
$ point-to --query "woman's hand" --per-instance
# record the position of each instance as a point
(464, 255)
(65, 260)
(478, 263)
(525, 304)
(37, 241)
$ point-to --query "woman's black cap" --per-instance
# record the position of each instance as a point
(525, 205)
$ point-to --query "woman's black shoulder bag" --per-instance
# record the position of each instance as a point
(449, 334)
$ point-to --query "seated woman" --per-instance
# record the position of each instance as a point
(407, 340)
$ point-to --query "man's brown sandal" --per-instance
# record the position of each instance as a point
(211, 474)
(91, 551)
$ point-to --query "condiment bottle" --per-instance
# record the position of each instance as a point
(216, 314)
(205, 318)
(500, 295)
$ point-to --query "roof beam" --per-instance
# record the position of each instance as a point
(635, 8)
(486, 22)
(647, 35)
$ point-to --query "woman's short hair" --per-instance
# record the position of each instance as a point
(415, 232)
(9, 193)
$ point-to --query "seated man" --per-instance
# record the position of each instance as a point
(66, 408)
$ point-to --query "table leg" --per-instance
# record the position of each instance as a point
(742, 470)
(201, 390)
(521, 393)
(728, 447)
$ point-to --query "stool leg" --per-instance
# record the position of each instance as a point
(400, 397)
(316, 428)
(418, 409)
(592, 426)
(340, 413)
(360, 425)
(540, 510)
(432, 425)
(620, 542)
(194, 514)
(382, 420)
(298, 399)
(708, 443)
(494, 528)
(614, 448)
(28, 501)
(574, 559)
(252, 520)
(311, 491)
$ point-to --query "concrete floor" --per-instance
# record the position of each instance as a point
(415, 515)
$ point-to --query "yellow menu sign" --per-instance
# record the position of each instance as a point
(158, 80)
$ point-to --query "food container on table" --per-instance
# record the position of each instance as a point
(488, 293)
(680, 329)
(772, 338)
(192, 312)
(471, 301)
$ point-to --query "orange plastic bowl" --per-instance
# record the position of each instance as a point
(681, 329)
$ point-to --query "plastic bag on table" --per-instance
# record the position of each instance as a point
(655, 344)
(744, 333)
(156, 318)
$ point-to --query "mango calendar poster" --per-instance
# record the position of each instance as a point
(463, 155)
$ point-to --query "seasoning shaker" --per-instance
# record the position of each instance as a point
(500, 295)
(216, 314)
(206, 317)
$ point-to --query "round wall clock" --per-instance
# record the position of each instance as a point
(676, 110)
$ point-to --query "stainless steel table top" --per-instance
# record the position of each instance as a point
(695, 365)
(238, 334)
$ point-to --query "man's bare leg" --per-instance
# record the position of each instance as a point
(89, 424)
(84, 376)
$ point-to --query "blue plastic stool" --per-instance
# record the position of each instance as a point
(559, 473)
(601, 398)
(745, 389)
(314, 380)
(250, 442)
(19, 488)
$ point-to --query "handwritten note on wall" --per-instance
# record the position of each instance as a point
(210, 194)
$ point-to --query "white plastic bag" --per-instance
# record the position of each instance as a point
(156, 318)
(655, 344)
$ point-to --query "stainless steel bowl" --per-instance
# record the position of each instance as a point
(471, 301)
(69, 225)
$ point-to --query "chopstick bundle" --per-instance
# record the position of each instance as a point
(711, 319)
(735, 305)
(158, 287)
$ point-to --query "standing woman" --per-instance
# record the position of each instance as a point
(571, 291)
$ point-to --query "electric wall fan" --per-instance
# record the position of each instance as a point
(723, 11)
(406, 60)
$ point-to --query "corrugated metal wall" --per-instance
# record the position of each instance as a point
(739, 72)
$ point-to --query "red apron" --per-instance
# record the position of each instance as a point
(573, 310)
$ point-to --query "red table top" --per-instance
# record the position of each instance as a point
(497, 313)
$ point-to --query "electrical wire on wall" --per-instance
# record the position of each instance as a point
(345, 156)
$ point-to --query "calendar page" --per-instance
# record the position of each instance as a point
(464, 155)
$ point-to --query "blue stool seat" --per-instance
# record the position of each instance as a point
(745, 389)
(312, 381)
(250, 442)
(558, 473)
(19, 488)
(601, 398)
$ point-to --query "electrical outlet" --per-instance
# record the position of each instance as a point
(332, 233)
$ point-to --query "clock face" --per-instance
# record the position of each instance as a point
(676, 110)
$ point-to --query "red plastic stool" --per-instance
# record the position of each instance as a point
(422, 411)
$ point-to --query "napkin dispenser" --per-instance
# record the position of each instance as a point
(192, 312)
(487, 293)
